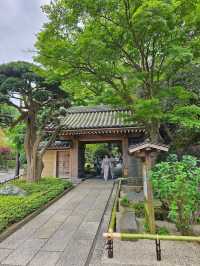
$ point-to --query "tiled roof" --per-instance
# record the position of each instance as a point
(96, 118)
(58, 144)
(147, 145)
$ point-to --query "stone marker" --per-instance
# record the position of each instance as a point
(12, 190)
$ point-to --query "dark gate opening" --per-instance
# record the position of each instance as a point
(91, 155)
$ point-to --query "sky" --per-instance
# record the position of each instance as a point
(20, 20)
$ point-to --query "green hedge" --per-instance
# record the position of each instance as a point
(15, 208)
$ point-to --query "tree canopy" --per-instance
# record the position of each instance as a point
(37, 103)
(127, 52)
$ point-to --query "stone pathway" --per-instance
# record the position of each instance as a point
(6, 176)
(63, 234)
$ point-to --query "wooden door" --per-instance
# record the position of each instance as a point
(63, 164)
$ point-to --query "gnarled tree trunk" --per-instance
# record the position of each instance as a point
(34, 155)
(31, 144)
(34, 166)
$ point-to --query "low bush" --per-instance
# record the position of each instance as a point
(139, 209)
(176, 183)
(125, 202)
(162, 231)
(15, 208)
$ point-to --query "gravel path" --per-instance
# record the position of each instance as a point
(143, 252)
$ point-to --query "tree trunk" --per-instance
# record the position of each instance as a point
(31, 144)
(17, 164)
(35, 167)
(154, 134)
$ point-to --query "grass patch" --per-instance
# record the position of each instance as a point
(162, 231)
(15, 208)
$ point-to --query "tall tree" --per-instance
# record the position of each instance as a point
(37, 103)
(132, 49)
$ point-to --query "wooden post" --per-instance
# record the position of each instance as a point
(125, 156)
(74, 161)
(148, 192)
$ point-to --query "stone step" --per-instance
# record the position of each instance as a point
(126, 222)
(134, 181)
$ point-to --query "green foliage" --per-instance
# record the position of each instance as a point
(176, 183)
(7, 114)
(37, 103)
(162, 231)
(15, 208)
(16, 137)
(139, 209)
(99, 150)
(22, 88)
(125, 202)
(126, 53)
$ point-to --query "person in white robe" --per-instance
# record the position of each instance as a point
(106, 166)
(112, 162)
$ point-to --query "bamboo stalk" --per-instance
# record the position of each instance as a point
(114, 210)
(126, 236)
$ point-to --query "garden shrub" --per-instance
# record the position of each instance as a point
(176, 184)
(125, 202)
(139, 209)
(15, 208)
(162, 231)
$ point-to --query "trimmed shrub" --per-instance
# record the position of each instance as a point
(15, 208)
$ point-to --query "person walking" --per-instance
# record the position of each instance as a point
(106, 166)
(112, 162)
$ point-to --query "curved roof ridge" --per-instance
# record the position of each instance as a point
(94, 109)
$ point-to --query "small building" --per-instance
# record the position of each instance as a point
(84, 125)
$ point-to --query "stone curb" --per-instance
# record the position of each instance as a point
(14, 227)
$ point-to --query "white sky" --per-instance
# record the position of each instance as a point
(20, 20)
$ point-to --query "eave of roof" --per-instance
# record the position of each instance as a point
(147, 146)
(57, 145)
(103, 131)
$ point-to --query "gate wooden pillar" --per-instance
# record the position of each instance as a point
(74, 158)
(125, 155)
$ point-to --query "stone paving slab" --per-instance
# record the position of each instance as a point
(63, 233)
(76, 253)
(4, 253)
(43, 256)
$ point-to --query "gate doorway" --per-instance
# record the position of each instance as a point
(92, 154)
